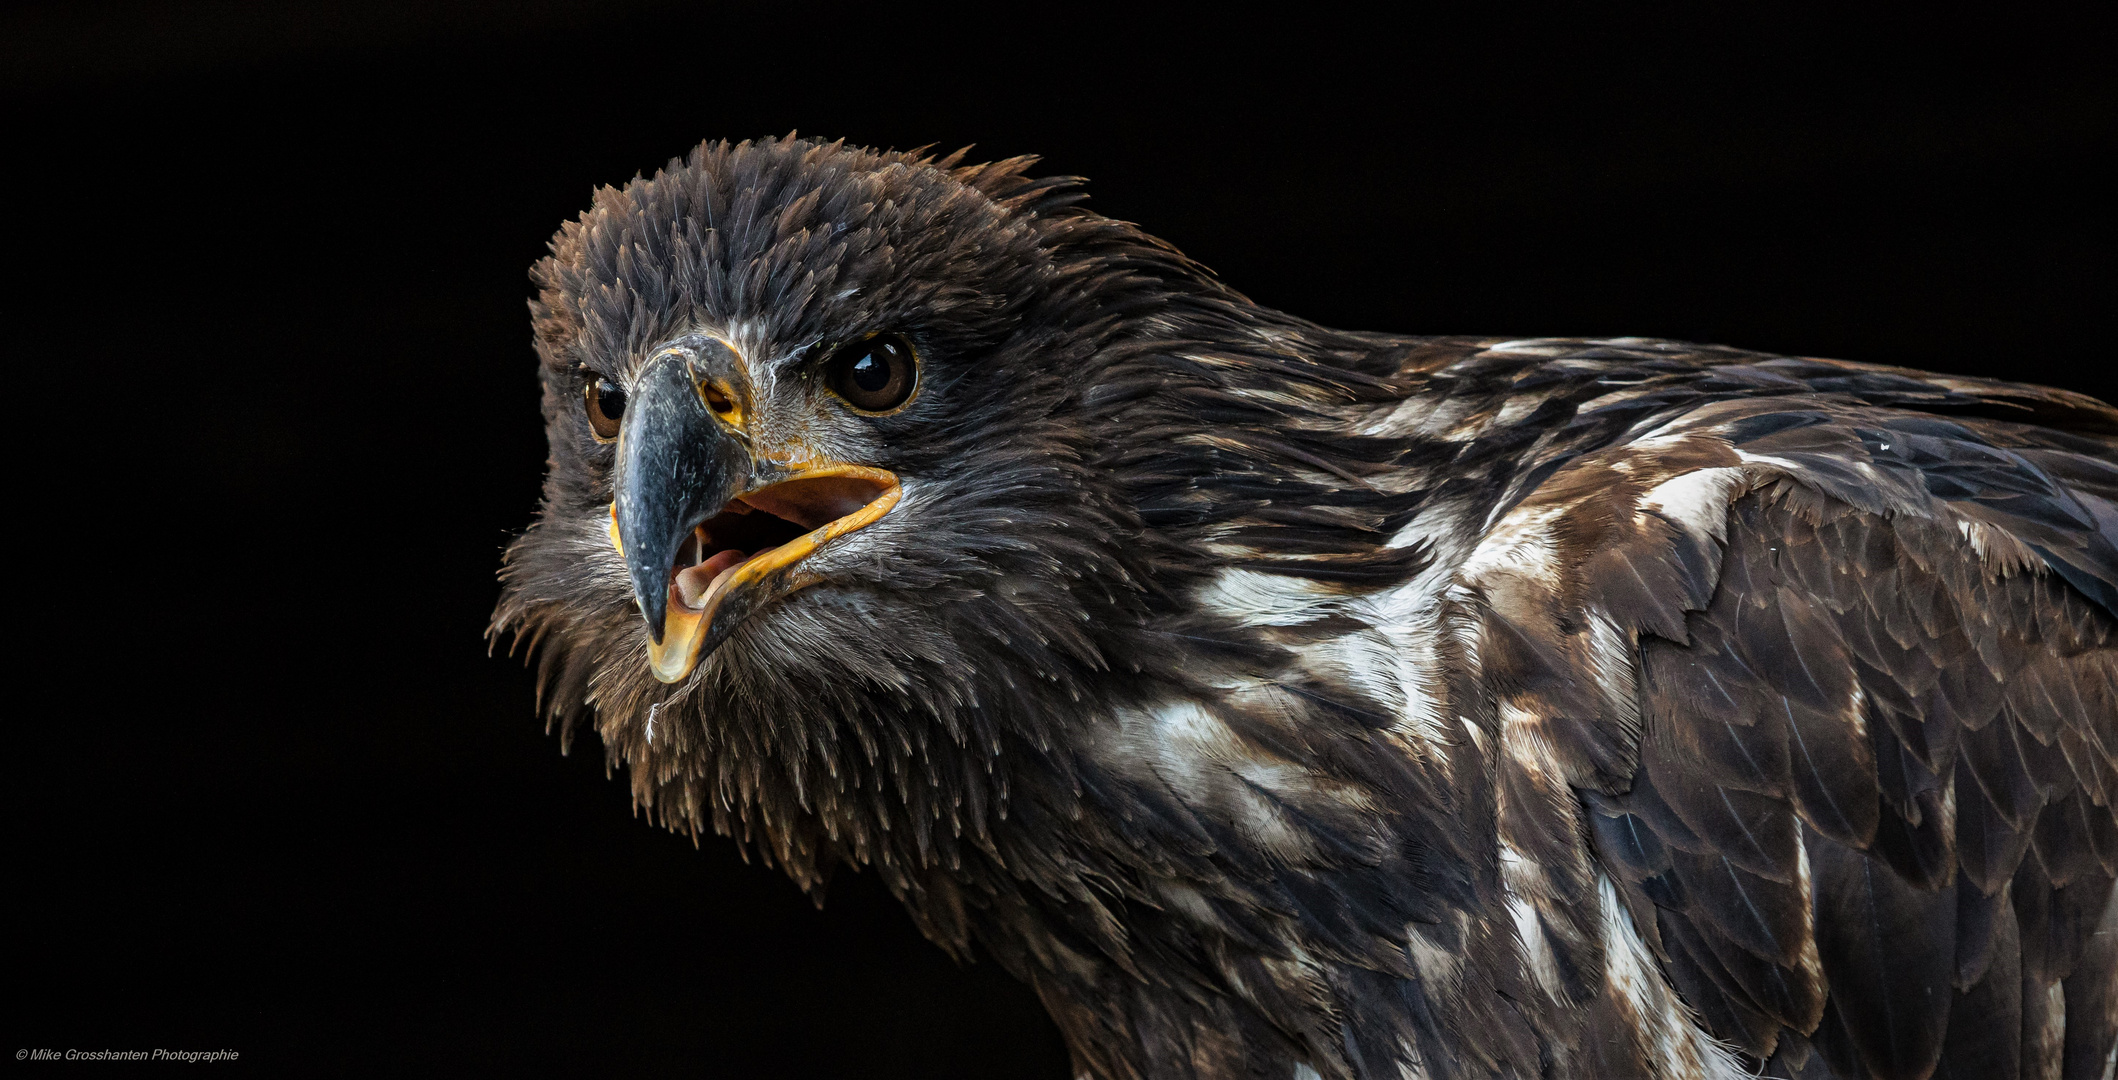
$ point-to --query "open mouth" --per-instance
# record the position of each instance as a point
(759, 526)
(745, 556)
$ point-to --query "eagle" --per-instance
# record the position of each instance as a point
(1286, 702)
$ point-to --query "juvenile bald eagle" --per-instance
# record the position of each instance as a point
(1288, 702)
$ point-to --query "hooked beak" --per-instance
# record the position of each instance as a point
(710, 534)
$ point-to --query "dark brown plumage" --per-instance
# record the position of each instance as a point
(1281, 701)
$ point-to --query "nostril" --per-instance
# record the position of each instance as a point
(717, 399)
(719, 396)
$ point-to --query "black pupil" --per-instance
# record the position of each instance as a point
(871, 372)
(610, 400)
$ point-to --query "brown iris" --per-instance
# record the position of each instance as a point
(606, 406)
(874, 375)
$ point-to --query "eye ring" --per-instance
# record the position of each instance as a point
(876, 375)
(604, 400)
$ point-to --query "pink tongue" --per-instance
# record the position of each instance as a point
(695, 583)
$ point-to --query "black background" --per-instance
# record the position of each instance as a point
(273, 416)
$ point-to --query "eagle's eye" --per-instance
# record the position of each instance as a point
(606, 406)
(875, 375)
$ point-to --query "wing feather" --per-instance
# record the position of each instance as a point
(1945, 764)
(1985, 1019)
(1869, 827)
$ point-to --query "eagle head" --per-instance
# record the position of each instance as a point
(834, 482)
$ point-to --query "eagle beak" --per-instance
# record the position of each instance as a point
(742, 559)
(710, 534)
